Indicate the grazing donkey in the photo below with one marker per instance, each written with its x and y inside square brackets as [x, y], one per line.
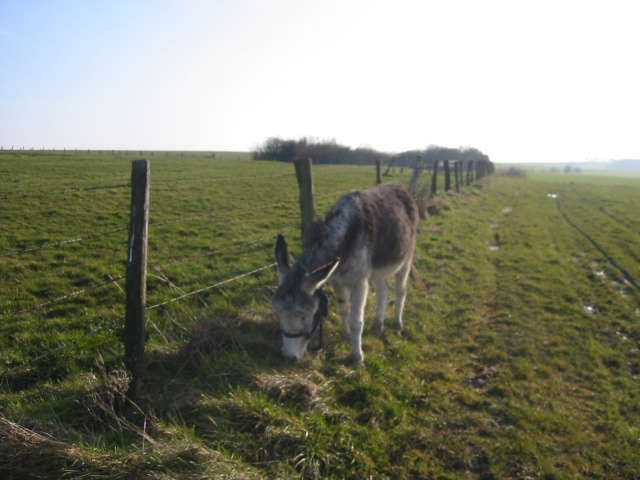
[367, 235]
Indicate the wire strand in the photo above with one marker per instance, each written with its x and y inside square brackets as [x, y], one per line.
[216, 214]
[64, 242]
[63, 192]
[179, 261]
[59, 299]
[58, 348]
[222, 179]
[195, 292]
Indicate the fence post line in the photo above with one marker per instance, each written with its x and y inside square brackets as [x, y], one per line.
[378, 167]
[136, 275]
[307, 206]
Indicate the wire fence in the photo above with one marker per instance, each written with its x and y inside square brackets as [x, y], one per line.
[63, 191]
[229, 252]
[174, 284]
[64, 242]
[68, 296]
[217, 214]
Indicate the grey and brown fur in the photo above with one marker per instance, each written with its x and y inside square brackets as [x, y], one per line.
[368, 235]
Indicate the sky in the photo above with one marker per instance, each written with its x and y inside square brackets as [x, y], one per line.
[523, 81]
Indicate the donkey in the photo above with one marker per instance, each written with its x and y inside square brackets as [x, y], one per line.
[367, 235]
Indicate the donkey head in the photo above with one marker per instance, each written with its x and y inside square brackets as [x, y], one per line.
[298, 301]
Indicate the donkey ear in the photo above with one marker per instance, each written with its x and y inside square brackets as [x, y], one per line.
[314, 280]
[282, 257]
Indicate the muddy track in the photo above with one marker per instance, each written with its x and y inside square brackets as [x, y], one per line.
[621, 223]
[602, 210]
[598, 247]
[612, 217]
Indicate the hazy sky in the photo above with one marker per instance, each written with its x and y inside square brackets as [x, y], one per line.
[520, 80]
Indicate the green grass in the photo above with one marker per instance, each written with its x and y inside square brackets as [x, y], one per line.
[521, 360]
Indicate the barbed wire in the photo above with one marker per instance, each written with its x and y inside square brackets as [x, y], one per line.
[61, 298]
[237, 210]
[221, 179]
[64, 242]
[64, 191]
[219, 284]
[165, 280]
[217, 214]
[253, 242]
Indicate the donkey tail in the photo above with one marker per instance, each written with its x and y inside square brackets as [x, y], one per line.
[417, 279]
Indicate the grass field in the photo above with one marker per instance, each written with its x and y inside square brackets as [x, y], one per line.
[521, 360]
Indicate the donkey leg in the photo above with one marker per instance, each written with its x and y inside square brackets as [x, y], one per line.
[382, 298]
[344, 297]
[356, 321]
[401, 279]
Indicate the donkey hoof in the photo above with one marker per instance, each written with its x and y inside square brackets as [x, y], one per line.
[356, 362]
[377, 329]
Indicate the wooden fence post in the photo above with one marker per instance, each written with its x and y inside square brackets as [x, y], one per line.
[307, 206]
[456, 170]
[391, 162]
[434, 178]
[413, 182]
[378, 166]
[479, 169]
[136, 275]
[469, 171]
[447, 177]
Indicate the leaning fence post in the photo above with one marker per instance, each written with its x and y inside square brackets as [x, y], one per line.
[413, 182]
[305, 185]
[136, 275]
[391, 162]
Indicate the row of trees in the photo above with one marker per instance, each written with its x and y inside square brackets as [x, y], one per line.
[329, 151]
[435, 153]
[321, 151]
